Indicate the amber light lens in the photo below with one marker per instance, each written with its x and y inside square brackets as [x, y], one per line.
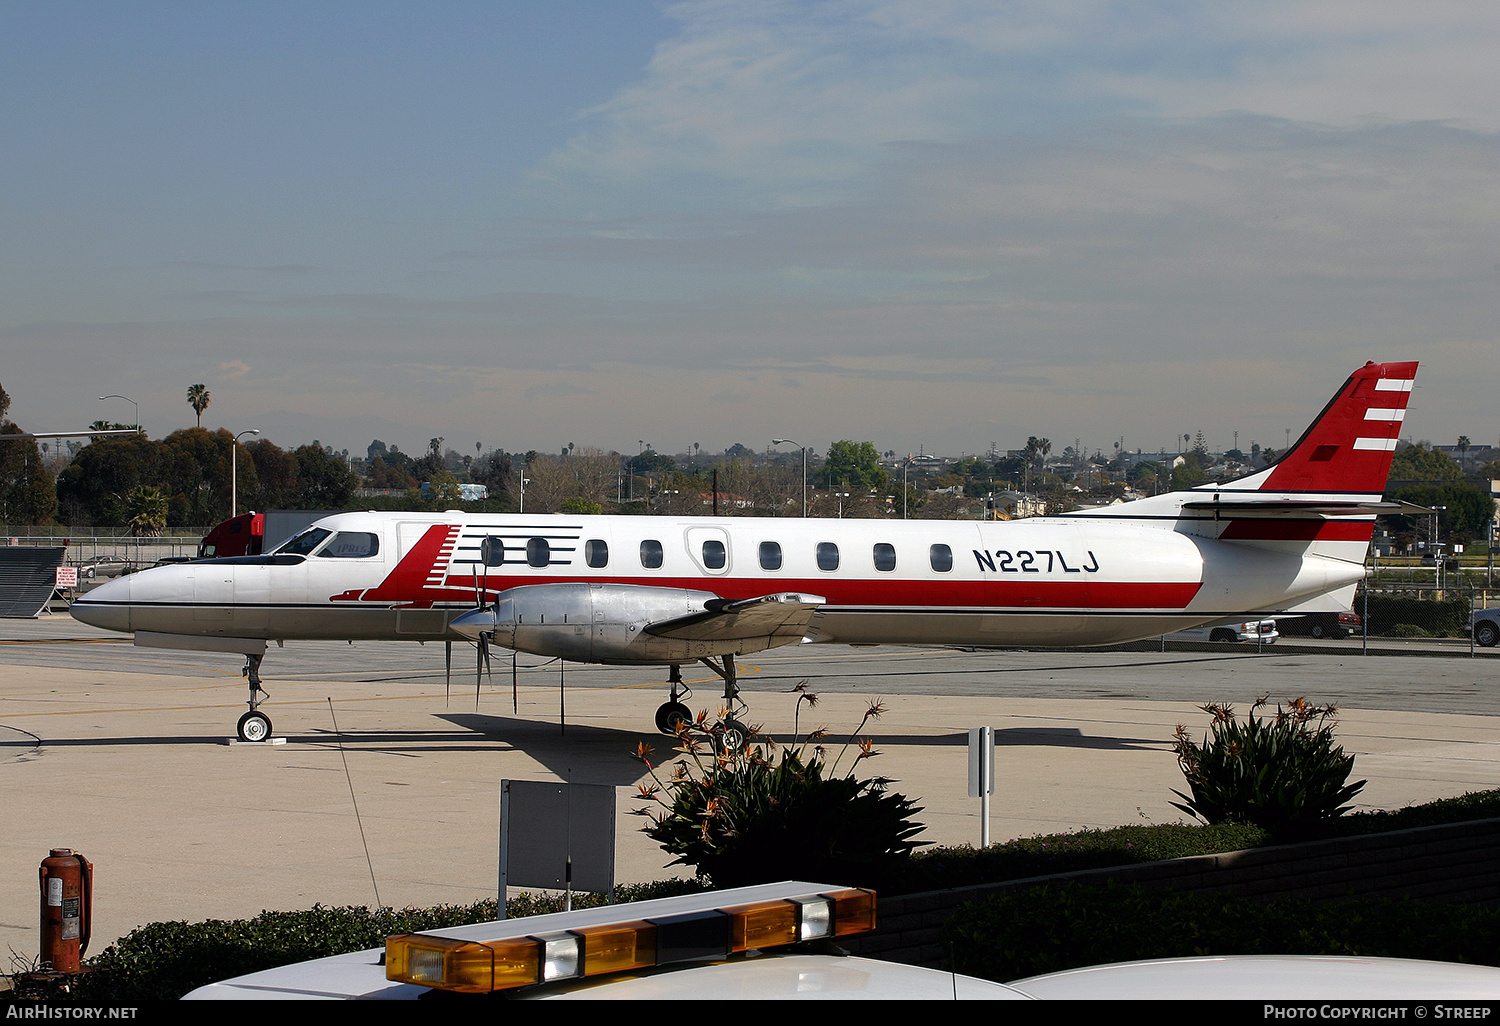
[853, 911]
[618, 947]
[762, 925]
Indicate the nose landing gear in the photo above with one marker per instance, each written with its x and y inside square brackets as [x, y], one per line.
[254, 726]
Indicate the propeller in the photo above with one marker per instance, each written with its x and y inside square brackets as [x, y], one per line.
[482, 643]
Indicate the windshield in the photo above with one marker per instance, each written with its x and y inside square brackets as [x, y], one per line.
[303, 543]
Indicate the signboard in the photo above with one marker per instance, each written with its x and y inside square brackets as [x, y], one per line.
[67, 577]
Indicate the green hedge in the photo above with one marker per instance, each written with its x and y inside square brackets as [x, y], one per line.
[1063, 926]
[1439, 619]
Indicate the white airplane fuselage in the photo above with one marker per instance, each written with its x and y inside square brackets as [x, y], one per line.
[1065, 581]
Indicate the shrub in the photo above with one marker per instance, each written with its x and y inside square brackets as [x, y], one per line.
[1283, 774]
[1062, 926]
[756, 814]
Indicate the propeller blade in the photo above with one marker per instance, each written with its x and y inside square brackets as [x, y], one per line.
[483, 667]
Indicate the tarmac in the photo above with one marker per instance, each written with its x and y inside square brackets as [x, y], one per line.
[384, 785]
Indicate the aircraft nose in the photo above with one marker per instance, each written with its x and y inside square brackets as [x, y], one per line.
[107, 606]
[476, 621]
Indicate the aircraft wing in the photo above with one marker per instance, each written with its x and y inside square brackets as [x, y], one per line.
[783, 617]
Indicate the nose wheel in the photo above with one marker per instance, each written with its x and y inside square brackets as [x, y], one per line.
[255, 725]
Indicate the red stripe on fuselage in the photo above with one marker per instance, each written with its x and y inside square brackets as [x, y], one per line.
[969, 594]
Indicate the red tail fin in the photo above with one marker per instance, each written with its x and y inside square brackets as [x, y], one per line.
[1349, 447]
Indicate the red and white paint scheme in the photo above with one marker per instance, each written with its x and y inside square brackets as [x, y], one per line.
[668, 591]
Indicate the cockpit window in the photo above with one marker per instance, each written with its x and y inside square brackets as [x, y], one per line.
[304, 543]
[352, 545]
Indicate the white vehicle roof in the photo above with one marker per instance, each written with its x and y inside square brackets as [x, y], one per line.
[1270, 978]
[769, 977]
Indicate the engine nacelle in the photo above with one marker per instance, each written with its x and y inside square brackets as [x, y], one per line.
[597, 623]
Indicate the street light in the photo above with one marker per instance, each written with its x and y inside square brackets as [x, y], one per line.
[234, 470]
[132, 402]
[793, 441]
[524, 480]
[904, 467]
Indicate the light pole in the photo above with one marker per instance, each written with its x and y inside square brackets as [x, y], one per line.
[793, 441]
[234, 470]
[132, 402]
[904, 467]
[521, 474]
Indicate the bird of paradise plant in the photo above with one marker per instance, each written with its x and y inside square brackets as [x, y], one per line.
[767, 812]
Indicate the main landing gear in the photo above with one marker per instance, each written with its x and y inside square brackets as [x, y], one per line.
[254, 725]
[730, 734]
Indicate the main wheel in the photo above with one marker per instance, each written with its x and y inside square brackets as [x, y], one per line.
[1486, 633]
[254, 726]
[670, 714]
[731, 736]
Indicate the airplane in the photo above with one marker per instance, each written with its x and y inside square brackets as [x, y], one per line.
[668, 591]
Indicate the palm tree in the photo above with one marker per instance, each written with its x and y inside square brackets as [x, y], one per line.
[198, 398]
[146, 511]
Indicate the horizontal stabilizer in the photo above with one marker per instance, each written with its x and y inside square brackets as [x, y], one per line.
[1240, 508]
[783, 616]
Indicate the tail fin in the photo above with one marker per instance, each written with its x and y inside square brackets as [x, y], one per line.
[1348, 448]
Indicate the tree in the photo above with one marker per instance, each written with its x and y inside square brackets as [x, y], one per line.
[1420, 463]
[92, 489]
[856, 464]
[198, 399]
[325, 481]
[1037, 450]
[27, 491]
[277, 486]
[146, 511]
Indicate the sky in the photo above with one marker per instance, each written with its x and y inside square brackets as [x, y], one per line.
[935, 225]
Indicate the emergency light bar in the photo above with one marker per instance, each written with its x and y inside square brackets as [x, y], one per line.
[691, 929]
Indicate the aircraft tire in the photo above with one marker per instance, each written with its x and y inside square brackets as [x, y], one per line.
[732, 736]
[253, 727]
[669, 714]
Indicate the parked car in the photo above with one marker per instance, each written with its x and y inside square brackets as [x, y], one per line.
[1262, 631]
[1319, 625]
[1485, 623]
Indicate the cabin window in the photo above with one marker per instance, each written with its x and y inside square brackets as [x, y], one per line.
[304, 542]
[770, 555]
[596, 553]
[714, 555]
[885, 557]
[941, 558]
[492, 551]
[352, 545]
[651, 554]
[538, 552]
[828, 556]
